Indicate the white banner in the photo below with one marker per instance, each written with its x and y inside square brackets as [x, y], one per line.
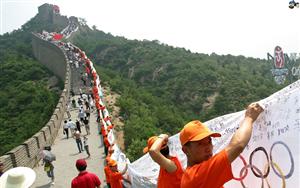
[271, 157]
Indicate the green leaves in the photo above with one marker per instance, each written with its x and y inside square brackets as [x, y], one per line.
[26, 104]
[163, 87]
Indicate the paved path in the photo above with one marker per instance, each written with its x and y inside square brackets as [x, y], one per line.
[67, 153]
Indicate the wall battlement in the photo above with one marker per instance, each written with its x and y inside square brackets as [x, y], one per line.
[27, 154]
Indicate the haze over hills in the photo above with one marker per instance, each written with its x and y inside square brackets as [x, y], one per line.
[161, 87]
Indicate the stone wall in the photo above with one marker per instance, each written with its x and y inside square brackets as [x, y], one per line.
[50, 55]
[27, 154]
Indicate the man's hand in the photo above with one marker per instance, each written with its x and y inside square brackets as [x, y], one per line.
[164, 137]
[242, 136]
[253, 111]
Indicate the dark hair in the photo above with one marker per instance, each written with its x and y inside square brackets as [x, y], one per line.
[47, 148]
[187, 144]
[81, 168]
[165, 151]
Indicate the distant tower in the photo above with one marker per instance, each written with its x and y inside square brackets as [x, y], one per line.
[46, 12]
[51, 13]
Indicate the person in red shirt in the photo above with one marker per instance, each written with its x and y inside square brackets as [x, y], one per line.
[116, 177]
[170, 172]
[84, 179]
[203, 169]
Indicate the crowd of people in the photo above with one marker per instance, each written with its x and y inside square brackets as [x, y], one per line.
[72, 27]
[203, 168]
[55, 37]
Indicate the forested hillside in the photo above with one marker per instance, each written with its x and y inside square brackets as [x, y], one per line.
[163, 87]
[27, 94]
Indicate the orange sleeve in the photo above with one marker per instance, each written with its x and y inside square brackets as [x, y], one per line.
[213, 173]
[106, 142]
[173, 179]
[116, 180]
[107, 171]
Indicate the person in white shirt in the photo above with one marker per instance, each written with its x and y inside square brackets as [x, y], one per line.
[86, 145]
[72, 126]
[66, 128]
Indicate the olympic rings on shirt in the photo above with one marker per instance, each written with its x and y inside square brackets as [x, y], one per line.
[242, 176]
[291, 158]
[250, 161]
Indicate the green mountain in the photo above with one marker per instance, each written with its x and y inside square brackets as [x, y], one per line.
[28, 91]
[163, 87]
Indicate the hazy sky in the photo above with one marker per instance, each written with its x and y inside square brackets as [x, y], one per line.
[238, 27]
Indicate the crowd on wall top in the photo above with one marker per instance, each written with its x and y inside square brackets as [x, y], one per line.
[77, 59]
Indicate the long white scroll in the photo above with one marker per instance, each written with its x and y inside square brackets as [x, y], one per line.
[271, 157]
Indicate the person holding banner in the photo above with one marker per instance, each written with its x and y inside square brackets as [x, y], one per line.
[116, 177]
[107, 171]
[171, 171]
[203, 169]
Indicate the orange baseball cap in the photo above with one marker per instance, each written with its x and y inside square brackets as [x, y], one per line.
[194, 131]
[112, 162]
[150, 142]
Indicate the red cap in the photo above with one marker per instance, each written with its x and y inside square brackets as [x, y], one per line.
[80, 163]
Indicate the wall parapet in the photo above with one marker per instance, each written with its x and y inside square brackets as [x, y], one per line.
[28, 153]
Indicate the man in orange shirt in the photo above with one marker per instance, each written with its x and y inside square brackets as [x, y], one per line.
[203, 169]
[170, 172]
[107, 172]
[116, 177]
[106, 145]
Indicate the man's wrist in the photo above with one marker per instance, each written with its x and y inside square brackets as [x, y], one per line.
[249, 119]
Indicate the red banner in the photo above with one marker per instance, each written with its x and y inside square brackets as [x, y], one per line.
[57, 36]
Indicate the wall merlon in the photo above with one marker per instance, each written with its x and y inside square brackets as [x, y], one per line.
[19, 156]
[47, 135]
[7, 161]
[54, 116]
[57, 113]
[53, 122]
[32, 146]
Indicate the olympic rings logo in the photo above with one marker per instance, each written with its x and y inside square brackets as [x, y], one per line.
[263, 174]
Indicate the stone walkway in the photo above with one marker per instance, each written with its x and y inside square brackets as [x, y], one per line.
[67, 153]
